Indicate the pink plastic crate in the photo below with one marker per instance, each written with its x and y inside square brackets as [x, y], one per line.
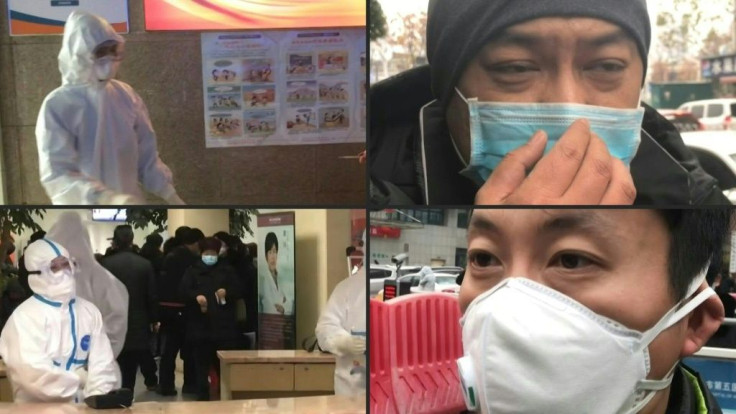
[422, 335]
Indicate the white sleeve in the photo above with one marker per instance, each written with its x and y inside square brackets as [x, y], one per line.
[58, 161]
[103, 373]
[155, 176]
[329, 326]
[30, 367]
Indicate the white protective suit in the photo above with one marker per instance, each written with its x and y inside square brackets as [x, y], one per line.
[52, 336]
[427, 281]
[95, 139]
[93, 282]
[343, 314]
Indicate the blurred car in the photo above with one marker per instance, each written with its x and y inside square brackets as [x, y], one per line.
[682, 120]
[377, 274]
[716, 151]
[714, 114]
[442, 283]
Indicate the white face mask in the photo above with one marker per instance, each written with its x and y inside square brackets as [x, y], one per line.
[531, 349]
[106, 68]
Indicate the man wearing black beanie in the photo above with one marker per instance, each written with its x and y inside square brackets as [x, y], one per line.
[511, 52]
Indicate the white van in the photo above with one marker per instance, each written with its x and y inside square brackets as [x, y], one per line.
[714, 114]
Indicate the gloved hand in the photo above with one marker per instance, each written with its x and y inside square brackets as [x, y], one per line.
[115, 199]
[81, 373]
[175, 200]
[350, 345]
[169, 195]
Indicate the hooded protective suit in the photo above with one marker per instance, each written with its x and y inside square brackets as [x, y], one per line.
[93, 282]
[427, 281]
[342, 318]
[52, 336]
[95, 139]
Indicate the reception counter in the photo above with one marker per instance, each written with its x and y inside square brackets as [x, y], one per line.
[322, 404]
[6, 392]
[275, 374]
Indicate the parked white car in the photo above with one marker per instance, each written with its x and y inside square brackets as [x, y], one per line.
[444, 283]
[716, 151]
[714, 114]
[378, 273]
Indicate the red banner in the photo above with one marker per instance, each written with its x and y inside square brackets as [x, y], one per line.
[385, 232]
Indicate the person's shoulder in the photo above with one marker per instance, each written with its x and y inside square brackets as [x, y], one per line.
[64, 95]
[400, 97]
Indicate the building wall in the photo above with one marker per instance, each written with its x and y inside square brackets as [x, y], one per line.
[165, 69]
[430, 242]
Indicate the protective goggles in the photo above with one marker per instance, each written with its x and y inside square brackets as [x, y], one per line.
[57, 267]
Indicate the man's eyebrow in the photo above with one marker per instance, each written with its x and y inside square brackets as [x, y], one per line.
[483, 224]
[618, 36]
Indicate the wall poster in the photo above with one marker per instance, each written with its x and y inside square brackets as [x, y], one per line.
[284, 87]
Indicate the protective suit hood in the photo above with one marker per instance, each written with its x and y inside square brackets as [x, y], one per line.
[93, 282]
[83, 32]
[38, 256]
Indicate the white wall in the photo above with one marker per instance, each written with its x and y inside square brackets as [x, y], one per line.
[423, 244]
[99, 231]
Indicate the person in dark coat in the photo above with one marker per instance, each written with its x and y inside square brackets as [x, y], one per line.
[176, 241]
[151, 251]
[172, 312]
[137, 275]
[210, 289]
[236, 254]
[420, 145]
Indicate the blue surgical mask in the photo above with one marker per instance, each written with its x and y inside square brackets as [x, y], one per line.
[209, 260]
[497, 128]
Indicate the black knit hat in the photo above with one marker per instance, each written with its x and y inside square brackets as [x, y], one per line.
[210, 243]
[458, 29]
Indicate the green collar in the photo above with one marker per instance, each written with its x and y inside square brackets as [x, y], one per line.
[702, 408]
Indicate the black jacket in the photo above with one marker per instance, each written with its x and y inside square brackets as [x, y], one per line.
[417, 164]
[247, 276]
[175, 264]
[137, 275]
[683, 394]
[220, 321]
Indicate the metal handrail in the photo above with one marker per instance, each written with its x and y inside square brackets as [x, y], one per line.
[729, 321]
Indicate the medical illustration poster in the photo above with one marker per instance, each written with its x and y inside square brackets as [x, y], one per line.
[47, 17]
[276, 310]
[292, 87]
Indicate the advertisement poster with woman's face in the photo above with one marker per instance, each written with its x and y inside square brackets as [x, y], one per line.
[276, 310]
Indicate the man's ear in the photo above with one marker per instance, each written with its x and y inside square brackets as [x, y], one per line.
[702, 323]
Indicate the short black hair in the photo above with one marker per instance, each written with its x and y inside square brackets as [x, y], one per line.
[192, 236]
[349, 250]
[123, 236]
[271, 241]
[180, 231]
[696, 238]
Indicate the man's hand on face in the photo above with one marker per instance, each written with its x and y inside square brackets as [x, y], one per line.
[578, 170]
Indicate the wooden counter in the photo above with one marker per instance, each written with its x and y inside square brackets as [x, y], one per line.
[275, 374]
[6, 391]
[323, 404]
